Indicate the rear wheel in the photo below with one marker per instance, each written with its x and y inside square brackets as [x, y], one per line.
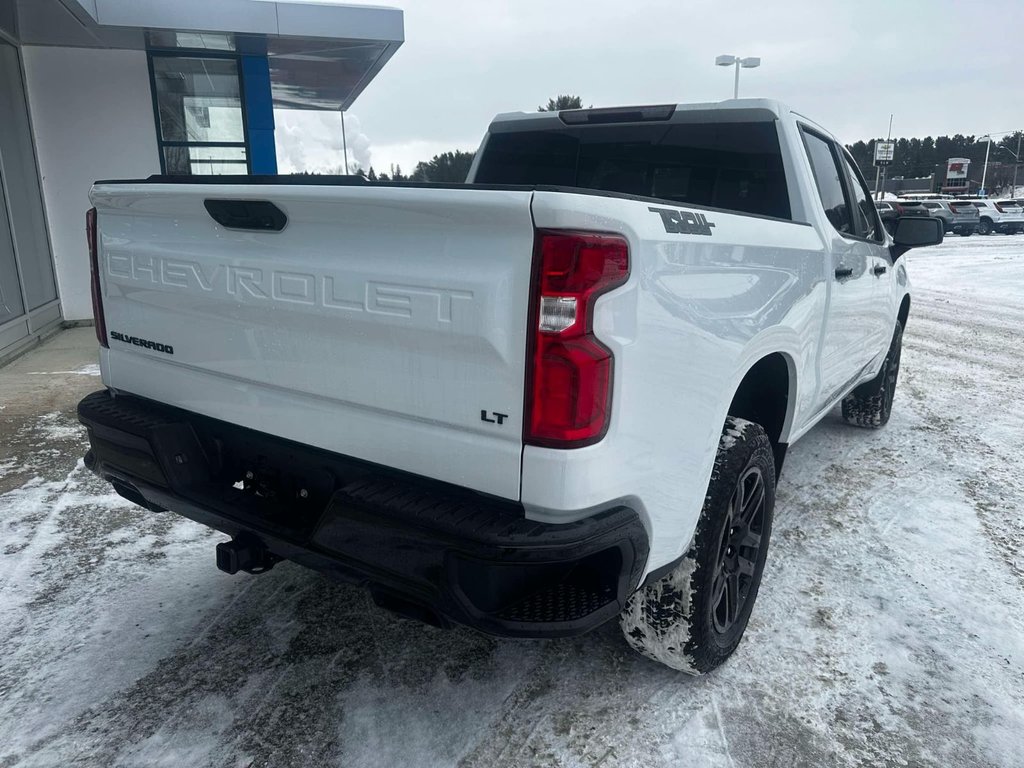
[870, 404]
[985, 227]
[693, 618]
[966, 232]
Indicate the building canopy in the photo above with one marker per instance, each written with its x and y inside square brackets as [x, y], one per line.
[321, 54]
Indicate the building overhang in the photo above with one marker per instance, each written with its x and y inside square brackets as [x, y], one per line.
[321, 54]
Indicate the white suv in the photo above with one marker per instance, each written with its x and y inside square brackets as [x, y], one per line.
[1004, 216]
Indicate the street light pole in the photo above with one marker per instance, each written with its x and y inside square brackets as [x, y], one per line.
[735, 61]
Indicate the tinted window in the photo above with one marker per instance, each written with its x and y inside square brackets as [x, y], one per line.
[826, 177]
[735, 166]
[932, 206]
[864, 210]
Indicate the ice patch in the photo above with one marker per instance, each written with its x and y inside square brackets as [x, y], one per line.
[92, 369]
[49, 427]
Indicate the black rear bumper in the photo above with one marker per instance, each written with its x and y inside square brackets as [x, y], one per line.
[428, 550]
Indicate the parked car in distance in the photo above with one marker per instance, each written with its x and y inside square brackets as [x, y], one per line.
[924, 196]
[890, 210]
[957, 216]
[1006, 216]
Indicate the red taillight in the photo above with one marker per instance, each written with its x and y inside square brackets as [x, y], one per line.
[999, 207]
[94, 273]
[899, 209]
[569, 384]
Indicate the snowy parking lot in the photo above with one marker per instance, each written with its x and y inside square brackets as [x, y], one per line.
[889, 630]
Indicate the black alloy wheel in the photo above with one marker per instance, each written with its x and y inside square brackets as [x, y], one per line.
[738, 550]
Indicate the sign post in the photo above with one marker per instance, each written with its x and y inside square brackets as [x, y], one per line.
[884, 151]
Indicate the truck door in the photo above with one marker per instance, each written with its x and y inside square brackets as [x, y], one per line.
[851, 330]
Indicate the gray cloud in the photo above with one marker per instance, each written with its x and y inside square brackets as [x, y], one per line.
[940, 66]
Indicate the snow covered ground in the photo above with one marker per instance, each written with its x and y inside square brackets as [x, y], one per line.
[889, 630]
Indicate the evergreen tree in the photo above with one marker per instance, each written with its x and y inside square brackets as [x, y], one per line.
[562, 102]
[450, 167]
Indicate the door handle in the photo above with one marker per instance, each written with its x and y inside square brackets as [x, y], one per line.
[844, 272]
[259, 215]
[880, 270]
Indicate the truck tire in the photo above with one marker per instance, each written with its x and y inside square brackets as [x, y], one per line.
[985, 227]
[693, 618]
[870, 404]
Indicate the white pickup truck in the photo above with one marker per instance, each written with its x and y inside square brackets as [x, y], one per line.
[557, 394]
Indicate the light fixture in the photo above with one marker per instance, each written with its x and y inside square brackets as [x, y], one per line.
[727, 60]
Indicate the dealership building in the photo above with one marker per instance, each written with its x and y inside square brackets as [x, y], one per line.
[101, 89]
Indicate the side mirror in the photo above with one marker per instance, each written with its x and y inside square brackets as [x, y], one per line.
[915, 232]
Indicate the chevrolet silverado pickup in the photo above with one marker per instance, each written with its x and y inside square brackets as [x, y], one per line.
[558, 394]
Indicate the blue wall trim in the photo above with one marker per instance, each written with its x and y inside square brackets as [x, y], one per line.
[259, 114]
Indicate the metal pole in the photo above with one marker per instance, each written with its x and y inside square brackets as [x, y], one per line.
[880, 173]
[736, 88]
[1016, 163]
[984, 171]
[344, 141]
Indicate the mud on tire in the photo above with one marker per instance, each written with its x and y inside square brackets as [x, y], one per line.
[681, 619]
[870, 404]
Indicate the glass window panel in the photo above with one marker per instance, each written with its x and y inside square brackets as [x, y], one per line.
[22, 184]
[205, 161]
[863, 209]
[198, 99]
[735, 166]
[826, 178]
[210, 41]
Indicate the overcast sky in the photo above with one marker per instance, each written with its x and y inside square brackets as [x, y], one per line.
[941, 66]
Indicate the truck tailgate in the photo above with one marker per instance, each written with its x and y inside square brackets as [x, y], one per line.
[388, 324]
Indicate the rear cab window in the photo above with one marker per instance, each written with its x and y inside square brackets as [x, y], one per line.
[735, 166]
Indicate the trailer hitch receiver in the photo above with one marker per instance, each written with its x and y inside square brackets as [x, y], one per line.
[245, 553]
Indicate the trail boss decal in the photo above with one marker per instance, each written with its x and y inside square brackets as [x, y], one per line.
[167, 349]
[683, 222]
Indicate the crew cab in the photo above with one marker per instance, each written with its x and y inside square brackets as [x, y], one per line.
[557, 394]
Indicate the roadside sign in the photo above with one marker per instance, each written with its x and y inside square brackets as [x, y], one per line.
[884, 151]
[982, 192]
[956, 167]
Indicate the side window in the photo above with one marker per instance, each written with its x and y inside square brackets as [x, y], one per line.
[827, 178]
[864, 208]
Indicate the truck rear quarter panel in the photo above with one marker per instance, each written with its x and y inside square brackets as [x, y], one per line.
[697, 312]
